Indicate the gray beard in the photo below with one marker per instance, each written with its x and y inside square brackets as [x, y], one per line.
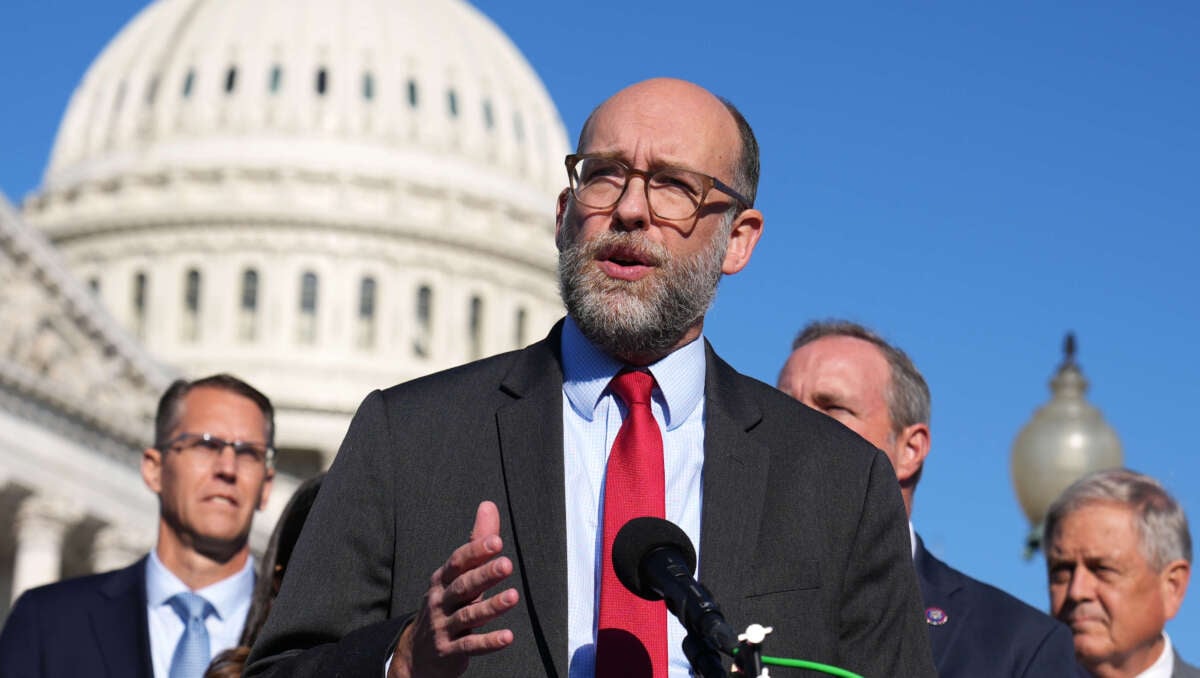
[644, 318]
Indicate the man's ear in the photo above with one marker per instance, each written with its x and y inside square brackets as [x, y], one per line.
[560, 208]
[152, 461]
[268, 483]
[912, 446]
[1175, 578]
[747, 229]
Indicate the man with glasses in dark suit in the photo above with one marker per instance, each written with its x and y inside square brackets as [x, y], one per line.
[169, 613]
[623, 410]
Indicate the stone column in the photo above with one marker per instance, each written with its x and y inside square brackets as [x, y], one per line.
[41, 525]
[115, 548]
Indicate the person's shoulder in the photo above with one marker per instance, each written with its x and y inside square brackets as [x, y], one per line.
[475, 377]
[783, 414]
[802, 442]
[990, 602]
[1184, 669]
[78, 590]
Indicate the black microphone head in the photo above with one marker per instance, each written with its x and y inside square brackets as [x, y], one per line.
[639, 538]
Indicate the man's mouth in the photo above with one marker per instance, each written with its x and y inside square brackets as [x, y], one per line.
[224, 500]
[625, 263]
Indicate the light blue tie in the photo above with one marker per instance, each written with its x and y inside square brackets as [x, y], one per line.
[191, 653]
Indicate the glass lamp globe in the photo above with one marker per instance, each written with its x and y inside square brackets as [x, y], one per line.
[1066, 439]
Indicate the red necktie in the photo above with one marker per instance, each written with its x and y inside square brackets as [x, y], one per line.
[632, 638]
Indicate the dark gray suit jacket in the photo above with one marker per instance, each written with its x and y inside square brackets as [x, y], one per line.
[1184, 669]
[89, 626]
[802, 526]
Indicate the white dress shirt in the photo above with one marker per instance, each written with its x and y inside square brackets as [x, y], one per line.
[230, 598]
[591, 418]
[1164, 666]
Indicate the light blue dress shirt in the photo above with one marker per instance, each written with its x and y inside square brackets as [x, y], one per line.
[591, 419]
[230, 598]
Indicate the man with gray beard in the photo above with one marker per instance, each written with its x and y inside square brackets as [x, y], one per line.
[622, 411]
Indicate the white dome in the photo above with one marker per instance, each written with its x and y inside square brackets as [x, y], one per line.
[359, 87]
[321, 196]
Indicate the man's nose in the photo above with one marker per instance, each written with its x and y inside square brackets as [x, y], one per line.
[1082, 585]
[633, 209]
[226, 461]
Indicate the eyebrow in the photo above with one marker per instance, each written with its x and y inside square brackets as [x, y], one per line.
[653, 167]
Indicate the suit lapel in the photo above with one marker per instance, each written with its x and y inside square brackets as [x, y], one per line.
[531, 449]
[735, 481]
[119, 623]
[940, 588]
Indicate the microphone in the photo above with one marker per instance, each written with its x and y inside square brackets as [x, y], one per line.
[655, 560]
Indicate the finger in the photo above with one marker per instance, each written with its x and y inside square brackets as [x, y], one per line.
[472, 616]
[482, 643]
[468, 557]
[487, 521]
[472, 584]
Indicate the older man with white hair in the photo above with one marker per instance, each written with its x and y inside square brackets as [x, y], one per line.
[1119, 556]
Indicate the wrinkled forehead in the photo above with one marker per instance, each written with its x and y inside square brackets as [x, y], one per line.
[665, 123]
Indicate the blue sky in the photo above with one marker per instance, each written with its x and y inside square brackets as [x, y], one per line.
[970, 179]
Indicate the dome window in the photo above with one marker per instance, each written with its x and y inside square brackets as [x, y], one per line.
[120, 98]
[93, 284]
[421, 340]
[322, 81]
[139, 304]
[188, 81]
[151, 90]
[489, 119]
[230, 79]
[248, 313]
[475, 328]
[191, 306]
[366, 313]
[306, 328]
[452, 103]
[519, 323]
[413, 99]
[276, 78]
[368, 86]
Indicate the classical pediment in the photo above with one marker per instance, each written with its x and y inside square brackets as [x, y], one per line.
[61, 355]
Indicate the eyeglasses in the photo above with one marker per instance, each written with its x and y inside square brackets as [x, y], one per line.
[672, 193]
[209, 447]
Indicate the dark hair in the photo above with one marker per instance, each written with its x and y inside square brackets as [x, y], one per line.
[170, 406]
[271, 570]
[745, 176]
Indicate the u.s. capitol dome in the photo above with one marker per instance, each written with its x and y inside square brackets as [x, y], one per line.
[320, 196]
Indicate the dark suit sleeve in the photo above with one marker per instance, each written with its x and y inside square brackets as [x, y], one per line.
[20, 642]
[1055, 656]
[882, 632]
[334, 614]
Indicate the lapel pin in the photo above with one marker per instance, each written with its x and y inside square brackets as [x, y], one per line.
[935, 616]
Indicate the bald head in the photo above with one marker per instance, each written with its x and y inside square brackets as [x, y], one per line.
[720, 125]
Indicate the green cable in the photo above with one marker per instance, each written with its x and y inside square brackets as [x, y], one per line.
[804, 664]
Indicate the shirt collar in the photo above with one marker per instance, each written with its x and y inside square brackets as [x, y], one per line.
[225, 595]
[1164, 666]
[587, 371]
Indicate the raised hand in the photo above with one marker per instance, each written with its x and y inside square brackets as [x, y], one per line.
[441, 638]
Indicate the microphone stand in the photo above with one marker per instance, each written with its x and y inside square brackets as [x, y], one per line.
[706, 662]
[747, 659]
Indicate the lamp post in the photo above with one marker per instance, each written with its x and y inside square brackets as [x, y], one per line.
[1066, 439]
